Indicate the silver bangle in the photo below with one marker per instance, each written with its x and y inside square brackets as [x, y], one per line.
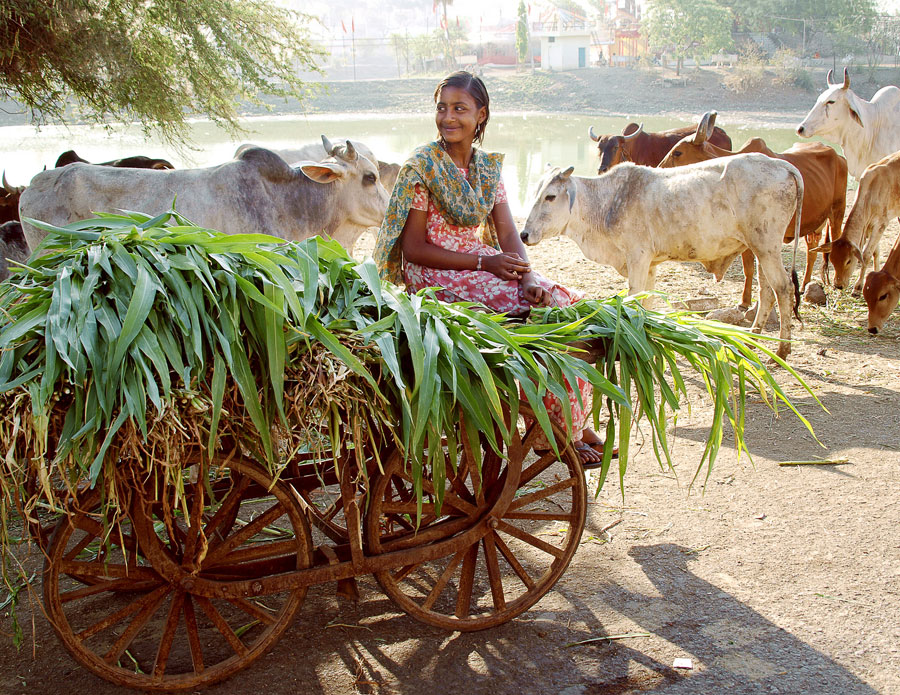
[478, 264]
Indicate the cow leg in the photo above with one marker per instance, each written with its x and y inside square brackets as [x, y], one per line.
[813, 239]
[748, 261]
[775, 278]
[641, 278]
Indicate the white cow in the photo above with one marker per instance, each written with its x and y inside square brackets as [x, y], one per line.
[257, 192]
[316, 151]
[635, 217]
[866, 130]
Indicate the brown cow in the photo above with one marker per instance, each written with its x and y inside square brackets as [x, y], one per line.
[824, 174]
[137, 161]
[634, 145]
[877, 201]
[882, 290]
[12, 246]
[9, 201]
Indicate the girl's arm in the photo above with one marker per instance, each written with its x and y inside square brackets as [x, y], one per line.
[511, 243]
[417, 249]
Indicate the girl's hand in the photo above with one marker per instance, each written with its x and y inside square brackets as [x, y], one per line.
[508, 266]
[534, 293]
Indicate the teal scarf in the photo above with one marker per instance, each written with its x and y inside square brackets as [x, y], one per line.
[463, 202]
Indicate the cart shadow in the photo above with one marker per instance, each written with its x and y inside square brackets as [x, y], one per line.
[370, 647]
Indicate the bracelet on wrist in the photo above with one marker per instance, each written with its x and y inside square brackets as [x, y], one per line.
[478, 264]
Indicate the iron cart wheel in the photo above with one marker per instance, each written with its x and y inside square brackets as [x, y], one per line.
[149, 619]
[526, 542]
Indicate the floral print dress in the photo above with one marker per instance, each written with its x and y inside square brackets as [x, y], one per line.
[483, 286]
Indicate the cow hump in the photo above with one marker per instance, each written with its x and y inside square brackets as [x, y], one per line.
[269, 165]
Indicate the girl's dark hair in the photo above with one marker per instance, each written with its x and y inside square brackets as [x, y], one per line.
[474, 88]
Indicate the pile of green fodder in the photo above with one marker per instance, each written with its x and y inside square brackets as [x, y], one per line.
[136, 344]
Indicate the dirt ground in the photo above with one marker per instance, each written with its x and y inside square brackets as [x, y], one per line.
[771, 579]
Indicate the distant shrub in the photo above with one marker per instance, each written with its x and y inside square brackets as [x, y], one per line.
[749, 72]
[789, 70]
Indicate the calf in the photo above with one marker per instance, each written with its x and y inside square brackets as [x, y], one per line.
[635, 145]
[877, 201]
[12, 246]
[824, 174]
[882, 290]
[634, 218]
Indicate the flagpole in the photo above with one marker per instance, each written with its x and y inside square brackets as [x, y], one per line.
[353, 45]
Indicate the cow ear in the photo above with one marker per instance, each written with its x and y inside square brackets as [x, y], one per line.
[824, 248]
[322, 172]
[570, 192]
[855, 116]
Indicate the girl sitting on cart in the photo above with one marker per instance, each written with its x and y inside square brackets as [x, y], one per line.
[448, 225]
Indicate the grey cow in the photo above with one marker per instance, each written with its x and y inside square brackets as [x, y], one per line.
[256, 192]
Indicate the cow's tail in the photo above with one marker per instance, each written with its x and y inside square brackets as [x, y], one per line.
[798, 182]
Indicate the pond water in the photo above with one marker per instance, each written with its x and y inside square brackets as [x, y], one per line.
[530, 142]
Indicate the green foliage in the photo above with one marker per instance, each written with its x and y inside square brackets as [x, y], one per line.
[522, 33]
[688, 27]
[156, 63]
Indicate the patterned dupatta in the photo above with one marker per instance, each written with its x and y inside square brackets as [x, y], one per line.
[463, 202]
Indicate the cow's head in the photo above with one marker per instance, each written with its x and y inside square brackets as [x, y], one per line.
[694, 148]
[834, 110]
[615, 149]
[363, 199]
[845, 256]
[882, 294]
[552, 206]
[9, 201]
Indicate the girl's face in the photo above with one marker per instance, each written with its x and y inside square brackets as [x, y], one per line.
[457, 115]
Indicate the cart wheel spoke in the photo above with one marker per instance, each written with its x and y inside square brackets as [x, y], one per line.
[151, 604]
[442, 581]
[168, 635]
[522, 513]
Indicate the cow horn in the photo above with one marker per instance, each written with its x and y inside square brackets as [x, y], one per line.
[829, 76]
[702, 129]
[329, 148]
[639, 130]
[595, 138]
[846, 79]
[567, 173]
[6, 187]
[350, 153]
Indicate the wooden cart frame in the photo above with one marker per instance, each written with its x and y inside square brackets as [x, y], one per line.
[164, 598]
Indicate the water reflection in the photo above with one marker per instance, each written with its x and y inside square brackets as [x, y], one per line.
[530, 142]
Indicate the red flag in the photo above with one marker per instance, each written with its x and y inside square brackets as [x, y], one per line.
[352, 25]
[343, 27]
[457, 22]
[434, 6]
[529, 8]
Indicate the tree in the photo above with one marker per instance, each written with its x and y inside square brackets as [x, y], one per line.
[522, 33]
[155, 62]
[688, 28]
